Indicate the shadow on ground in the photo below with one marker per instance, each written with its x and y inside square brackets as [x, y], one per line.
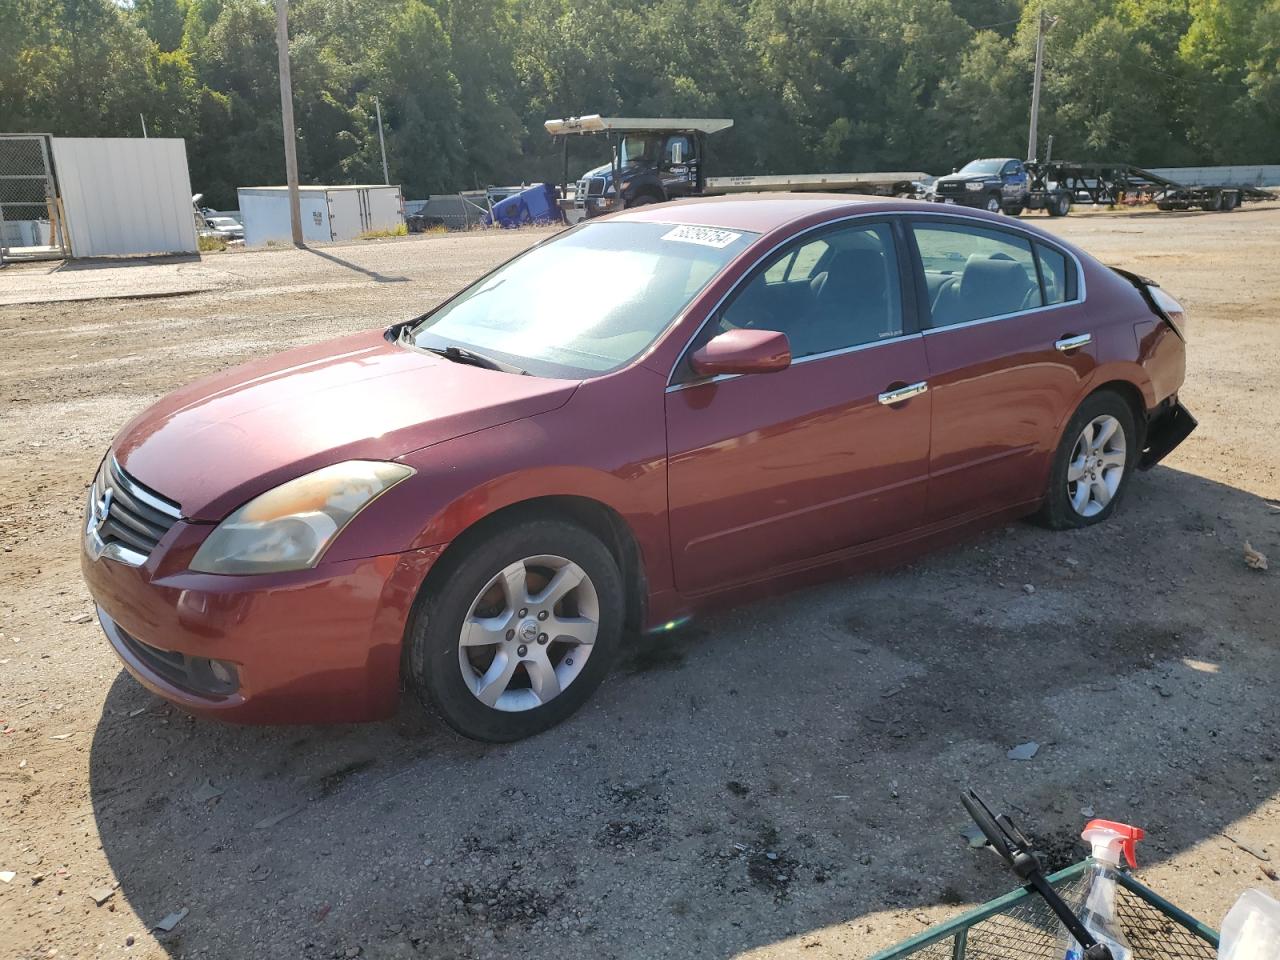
[786, 767]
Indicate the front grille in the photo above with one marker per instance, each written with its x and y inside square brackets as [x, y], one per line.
[125, 519]
[953, 187]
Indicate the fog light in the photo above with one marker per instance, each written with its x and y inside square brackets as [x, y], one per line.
[223, 673]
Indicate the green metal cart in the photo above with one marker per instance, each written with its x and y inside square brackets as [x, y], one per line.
[1021, 926]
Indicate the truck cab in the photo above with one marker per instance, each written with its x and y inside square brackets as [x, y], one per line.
[995, 184]
[652, 160]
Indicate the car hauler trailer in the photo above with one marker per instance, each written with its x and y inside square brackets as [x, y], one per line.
[663, 158]
[1011, 185]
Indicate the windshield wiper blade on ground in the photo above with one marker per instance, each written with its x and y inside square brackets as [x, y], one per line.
[463, 355]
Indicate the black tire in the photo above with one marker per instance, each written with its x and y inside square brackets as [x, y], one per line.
[432, 661]
[993, 204]
[1015, 211]
[1057, 511]
[1059, 205]
[643, 200]
[1213, 204]
[1230, 201]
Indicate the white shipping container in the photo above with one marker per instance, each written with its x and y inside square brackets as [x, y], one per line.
[329, 213]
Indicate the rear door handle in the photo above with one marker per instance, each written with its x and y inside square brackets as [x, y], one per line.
[890, 397]
[1067, 344]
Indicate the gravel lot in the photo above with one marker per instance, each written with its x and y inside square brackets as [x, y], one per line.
[778, 780]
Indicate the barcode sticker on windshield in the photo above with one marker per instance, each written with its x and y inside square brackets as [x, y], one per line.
[703, 236]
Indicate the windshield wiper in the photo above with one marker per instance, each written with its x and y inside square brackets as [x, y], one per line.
[463, 355]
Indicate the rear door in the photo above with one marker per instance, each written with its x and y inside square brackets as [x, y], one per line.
[1009, 346]
[771, 470]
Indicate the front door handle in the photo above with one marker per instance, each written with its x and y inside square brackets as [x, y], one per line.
[890, 397]
[1066, 344]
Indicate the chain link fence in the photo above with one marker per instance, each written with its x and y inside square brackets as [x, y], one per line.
[31, 216]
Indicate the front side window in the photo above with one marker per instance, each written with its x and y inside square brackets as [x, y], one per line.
[835, 291]
[587, 302]
[680, 146]
[972, 273]
[638, 148]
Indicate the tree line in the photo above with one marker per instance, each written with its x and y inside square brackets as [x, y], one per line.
[812, 85]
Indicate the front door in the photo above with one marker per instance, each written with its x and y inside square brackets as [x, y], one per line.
[1009, 350]
[771, 470]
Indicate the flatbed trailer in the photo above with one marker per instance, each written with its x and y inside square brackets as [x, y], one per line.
[876, 184]
[1114, 184]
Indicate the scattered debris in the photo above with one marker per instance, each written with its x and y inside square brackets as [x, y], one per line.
[1024, 751]
[1087, 812]
[101, 895]
[1072, 562]
[269, 822]
[207, 791]
[22, 764]
[83, 618]
[1248, 848]
[974, 836]
[6, 876]
[1269, 873]
[62, 736]
[259, 873]
[1028, 589]
[1254, 559]
[172, 920]
[128, 941]
[138, 712]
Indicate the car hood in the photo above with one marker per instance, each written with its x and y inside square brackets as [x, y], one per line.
[223, 440]
[967, 178]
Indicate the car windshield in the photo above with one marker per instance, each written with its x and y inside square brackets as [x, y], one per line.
[588, 302]
[982, 166]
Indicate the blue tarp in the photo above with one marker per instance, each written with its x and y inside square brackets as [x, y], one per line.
[534, 204]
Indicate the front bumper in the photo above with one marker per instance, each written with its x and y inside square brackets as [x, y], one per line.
[969, 198]
[313, 646]
[1165, 431]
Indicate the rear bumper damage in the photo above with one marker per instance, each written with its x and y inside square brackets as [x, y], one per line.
[1167, 429]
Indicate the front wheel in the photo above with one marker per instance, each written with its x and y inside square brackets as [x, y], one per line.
[1097, 454]
[519, 632]
[993, 203]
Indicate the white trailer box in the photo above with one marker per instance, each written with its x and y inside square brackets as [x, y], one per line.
[328, 213]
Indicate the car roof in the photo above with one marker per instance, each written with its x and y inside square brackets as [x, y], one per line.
[758, 212]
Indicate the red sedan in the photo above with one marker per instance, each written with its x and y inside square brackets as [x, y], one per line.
[647, 414]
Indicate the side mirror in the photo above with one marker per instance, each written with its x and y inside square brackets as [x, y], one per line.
[742, 351]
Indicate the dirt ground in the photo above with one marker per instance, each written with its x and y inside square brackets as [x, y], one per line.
[775, 781]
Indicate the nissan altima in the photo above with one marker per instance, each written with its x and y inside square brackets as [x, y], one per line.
[676, 406]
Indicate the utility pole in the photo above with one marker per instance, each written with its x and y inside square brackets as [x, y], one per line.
[144, 125]
[1044, 25]
[286, 118]
[386, 177]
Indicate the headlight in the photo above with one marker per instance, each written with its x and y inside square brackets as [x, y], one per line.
[973, 185]
[290, 527]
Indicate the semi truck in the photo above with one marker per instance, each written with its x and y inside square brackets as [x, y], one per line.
[654, 159]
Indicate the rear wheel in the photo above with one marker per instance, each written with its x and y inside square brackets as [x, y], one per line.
[1058, 205]
[519, 632]
[1091, 468]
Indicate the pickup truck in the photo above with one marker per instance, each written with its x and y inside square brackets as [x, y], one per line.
[1000, 184]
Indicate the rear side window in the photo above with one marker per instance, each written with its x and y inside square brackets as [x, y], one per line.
[1053, 272]
[974, 274]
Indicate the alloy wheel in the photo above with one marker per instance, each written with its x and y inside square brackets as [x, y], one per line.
[1096, 467]
[993, 204]
[528, 633]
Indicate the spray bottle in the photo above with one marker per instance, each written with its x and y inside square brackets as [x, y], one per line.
[1109, 840]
